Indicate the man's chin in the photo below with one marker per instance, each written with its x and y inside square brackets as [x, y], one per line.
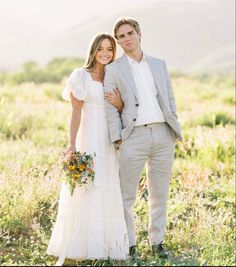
[129, 49]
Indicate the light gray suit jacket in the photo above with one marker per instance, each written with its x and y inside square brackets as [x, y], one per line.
[118, 75]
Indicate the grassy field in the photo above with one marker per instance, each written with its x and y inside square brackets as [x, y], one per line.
[34, 124]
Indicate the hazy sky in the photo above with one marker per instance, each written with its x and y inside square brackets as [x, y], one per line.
[29, 29]
[60, 14]
[56, 14]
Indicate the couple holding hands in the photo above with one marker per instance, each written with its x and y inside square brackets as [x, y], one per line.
[124, 111]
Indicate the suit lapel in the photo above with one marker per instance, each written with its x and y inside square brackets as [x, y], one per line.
[125, 69]
[155, 73]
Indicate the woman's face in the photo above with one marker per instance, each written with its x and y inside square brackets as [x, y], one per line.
[105, 52]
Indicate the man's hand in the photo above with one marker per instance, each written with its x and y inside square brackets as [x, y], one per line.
[118, 143]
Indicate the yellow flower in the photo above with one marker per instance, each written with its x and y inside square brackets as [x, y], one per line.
[76, 176]
[71, 167]
[82, 167]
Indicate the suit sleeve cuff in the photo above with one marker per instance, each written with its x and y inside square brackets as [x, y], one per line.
[116, 138]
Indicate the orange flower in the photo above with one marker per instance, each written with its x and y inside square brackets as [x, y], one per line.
[82, 167]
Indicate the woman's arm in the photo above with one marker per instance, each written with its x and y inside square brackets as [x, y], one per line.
[75, 122]
[114, 98]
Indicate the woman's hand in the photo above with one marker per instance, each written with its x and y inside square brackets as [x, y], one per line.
[70, 150]
[114, 98]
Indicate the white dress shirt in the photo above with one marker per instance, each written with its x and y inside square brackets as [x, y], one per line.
[149, 110]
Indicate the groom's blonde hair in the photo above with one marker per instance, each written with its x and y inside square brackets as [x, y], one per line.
[126, 20]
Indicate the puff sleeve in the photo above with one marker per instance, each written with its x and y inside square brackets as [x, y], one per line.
[75, 84]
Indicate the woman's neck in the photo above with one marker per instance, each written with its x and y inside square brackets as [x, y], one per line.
[98, 73]
[99, 69]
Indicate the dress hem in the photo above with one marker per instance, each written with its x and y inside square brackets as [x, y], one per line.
[81, 258]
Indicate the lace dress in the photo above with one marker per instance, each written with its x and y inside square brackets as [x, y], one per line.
[90, 224]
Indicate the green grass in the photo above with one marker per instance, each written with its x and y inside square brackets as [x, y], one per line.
[34, 131]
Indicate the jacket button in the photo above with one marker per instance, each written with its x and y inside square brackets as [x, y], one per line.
[134, 119]
[137, 105]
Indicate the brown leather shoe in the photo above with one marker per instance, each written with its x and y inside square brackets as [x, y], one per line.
[160, 251]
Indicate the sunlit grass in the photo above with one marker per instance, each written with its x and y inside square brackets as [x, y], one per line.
[34, 132]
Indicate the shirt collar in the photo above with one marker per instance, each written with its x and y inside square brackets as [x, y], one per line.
[131, 60]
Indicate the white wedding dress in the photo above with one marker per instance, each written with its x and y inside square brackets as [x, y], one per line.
[90, 224]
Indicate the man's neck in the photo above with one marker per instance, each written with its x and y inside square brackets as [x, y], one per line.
[136, 55]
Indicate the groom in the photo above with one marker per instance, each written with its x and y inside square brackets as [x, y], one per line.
[145, 131]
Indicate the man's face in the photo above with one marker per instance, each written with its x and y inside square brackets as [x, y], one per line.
[128, 38]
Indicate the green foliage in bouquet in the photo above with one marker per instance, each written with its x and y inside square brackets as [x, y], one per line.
[78, 168]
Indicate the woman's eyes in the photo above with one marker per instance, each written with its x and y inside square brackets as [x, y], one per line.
[100, 49]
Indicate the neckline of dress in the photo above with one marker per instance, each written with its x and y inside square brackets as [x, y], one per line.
[92, 78]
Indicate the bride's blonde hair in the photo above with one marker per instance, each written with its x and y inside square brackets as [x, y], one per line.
[94, 46]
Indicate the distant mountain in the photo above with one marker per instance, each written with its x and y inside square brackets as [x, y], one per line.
[192, 36]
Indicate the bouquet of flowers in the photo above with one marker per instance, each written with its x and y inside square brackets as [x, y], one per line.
[78, 168]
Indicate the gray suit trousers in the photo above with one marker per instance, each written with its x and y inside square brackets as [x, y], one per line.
[152, 145]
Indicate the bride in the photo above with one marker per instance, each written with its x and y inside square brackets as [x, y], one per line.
[90, 224]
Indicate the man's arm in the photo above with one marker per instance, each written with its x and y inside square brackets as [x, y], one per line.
[112, 114]
[170, 92]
